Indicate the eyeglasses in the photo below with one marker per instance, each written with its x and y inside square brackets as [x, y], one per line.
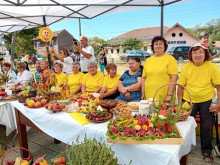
[18, 67]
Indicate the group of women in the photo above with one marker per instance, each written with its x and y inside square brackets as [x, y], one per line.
[199, 76]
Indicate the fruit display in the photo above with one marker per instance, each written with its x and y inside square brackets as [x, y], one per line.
[55, 106]
[40, 161]
[141, 128]
[88, 103]
[122, 109]
[36, 102]
[74, 98]
[99, 116]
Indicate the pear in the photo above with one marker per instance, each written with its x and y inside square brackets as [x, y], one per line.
[186, 106]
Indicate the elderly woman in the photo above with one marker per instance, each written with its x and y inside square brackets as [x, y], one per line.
[159, 69]
[201, 77]
[75, 79]
[8, 72]
[23, 74]
[110, 89]
[64, 58]
[60, 76]
[93, 80]
[129, 84]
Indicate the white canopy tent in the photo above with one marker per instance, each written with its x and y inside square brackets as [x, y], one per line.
[16, 15]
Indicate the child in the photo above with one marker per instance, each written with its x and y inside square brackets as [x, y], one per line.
[101, 63]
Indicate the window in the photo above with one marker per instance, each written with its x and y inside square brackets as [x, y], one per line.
[173, 34]
[38, 44]
[112, 50]
[180, 34]
[168, 42]
[118, 50]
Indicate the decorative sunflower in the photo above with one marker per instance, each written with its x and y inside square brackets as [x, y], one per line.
[45, 34]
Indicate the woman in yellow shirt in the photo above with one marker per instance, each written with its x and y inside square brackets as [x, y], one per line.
[109, 89]
[60, 76]
[159, 69]
[93, 80]
[201, 77]
[75, 79]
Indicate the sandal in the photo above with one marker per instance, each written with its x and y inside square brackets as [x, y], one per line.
[207, 157]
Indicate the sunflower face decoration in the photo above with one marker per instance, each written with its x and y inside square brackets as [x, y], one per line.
[45, 34]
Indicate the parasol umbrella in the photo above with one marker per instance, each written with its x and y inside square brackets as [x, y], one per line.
[17, 15]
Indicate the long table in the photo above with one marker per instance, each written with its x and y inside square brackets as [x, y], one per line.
[66, 129]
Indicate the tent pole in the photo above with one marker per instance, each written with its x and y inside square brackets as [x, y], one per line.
[161, 24]
[80, 28]
[47, 46]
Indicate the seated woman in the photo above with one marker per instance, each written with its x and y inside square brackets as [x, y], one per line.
[129, 84]
[8, 72]
[110, 89]
[60, 76]
[93, 80]
[23, 74]
[75, 79]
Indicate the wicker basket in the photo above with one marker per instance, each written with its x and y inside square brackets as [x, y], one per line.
[183, 116]
[29, 158]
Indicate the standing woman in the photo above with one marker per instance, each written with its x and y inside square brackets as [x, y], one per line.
[103, 54]
[75, 79]
[64, 58]
[159, 69]
[129, 85]
[201, 77]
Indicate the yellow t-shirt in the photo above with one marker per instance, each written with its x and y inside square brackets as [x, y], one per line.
[74, 80]
[157, 71]
[61, 78]
[111, 83]
[93, 82]
[200, 81]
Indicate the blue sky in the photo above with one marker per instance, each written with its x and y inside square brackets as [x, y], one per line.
[188, 14]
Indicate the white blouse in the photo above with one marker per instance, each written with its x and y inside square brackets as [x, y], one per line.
[24, 76]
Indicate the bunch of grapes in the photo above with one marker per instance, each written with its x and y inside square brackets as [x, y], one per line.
[25, 93]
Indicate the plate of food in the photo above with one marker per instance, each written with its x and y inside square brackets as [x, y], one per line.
[9, 98]
[133, 106]
[99, 116]
[55, 106]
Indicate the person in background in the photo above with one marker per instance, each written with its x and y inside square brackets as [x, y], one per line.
[129, 85]
[103, 54]
[44, 65]
[34, 59]
[38, 72]
[72, 55]
[26, 56]
[93, 80]
[87, 53]
[64, 58]
[23, 74]
[1, 63]
[75, 79]
[77, 56]
[8, 72]
[159, 69]
[30, 60]
[24, 59]
[201, 77]
[204, 40]
[109, 89]
[101, 63]
[60, 76]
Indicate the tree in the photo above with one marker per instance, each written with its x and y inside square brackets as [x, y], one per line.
[132, 44]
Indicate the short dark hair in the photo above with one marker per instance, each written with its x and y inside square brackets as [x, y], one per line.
[159, 38]
[7, 64]
[207, 56]
[203, 34]
[137, 60]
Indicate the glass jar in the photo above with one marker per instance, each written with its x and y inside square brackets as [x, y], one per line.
[144, 107]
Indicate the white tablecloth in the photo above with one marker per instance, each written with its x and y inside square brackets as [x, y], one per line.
[7, 117]
[66, 129]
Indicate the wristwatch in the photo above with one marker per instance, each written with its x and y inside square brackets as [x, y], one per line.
[126, 89]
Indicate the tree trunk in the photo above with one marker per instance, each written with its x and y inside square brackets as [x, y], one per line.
[13, 39]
